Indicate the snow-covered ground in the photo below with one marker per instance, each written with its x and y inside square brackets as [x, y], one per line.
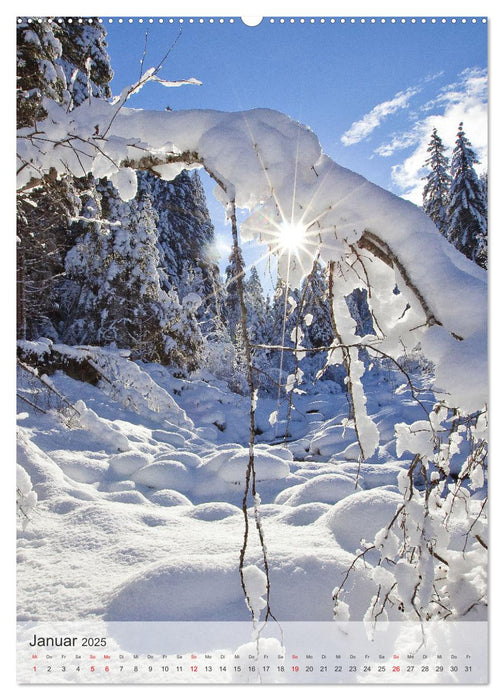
[138, 516]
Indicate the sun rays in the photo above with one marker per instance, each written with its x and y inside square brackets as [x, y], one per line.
[291, 236]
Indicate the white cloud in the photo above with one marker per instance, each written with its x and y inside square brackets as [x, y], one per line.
[398, 142]
[372, 120]
[463, 101]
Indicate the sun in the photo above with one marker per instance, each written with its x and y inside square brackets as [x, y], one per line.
[291, 236]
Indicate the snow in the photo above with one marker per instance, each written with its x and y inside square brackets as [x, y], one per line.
[266, 466]
[214, 511]
[169, 437]
[125, 182]
[255, 583]
[169, 498]
[82, 466]
[101, 429]
[325, 488]
[127, 463]
[153, 532]
[345, 519]
[26, 496]
[206, 588]
[165, 474]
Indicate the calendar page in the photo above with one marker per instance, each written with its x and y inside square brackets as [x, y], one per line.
[252, 350]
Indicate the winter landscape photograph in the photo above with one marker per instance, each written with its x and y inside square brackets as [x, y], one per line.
[252, 350]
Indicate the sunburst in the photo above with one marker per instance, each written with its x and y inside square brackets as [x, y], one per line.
[291, 236]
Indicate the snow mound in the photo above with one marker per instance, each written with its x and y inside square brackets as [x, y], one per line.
[320, 406]
[213, 511]
[81, 466]
[302, 585]
[207, 432]
[347, 522]
[326, 488]
[202, 588]
[135, 389]
[170, 497]
[101, 428]
[189, 459]
[215, 461]
[127, 463]
[304, 515]
[266, 464]
[371, 476]
[331, 440]
[262, 648]
[167, 474]
[351, 453]
[277, 450]
[229, 465]
[171, 438]
[127, 497]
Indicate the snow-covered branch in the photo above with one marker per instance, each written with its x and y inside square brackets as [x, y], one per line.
[251, 156]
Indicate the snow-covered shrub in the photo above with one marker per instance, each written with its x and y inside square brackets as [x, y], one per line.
[430, 560]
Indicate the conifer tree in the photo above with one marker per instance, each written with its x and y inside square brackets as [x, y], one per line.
[84, 58]
[60, 60]
[233, 311]
[437, 187]
[42, 229]
[38, 73]
[256, 307]
[43, 217]
[358, 306]
[484, 189]
[319, 331]
[482, 254]
[467, 226]
[116, 268]
[185, 240]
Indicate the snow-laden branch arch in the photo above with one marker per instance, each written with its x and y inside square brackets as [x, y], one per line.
[274, 167]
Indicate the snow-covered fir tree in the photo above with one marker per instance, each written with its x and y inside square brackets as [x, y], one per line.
[116, 267]
[466, 215]
[133, 310]
[316, 306]
[482, 254]
[185, 240]
[185, 229]
[84, 58]
[257, 312]
[437, 187]
[38, 73]
[484, 189]
[85, 263]
[260, 327]
[62, 61]
[234, 272]
[42, 228]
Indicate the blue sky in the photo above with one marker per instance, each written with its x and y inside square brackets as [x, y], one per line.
[372, 92]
